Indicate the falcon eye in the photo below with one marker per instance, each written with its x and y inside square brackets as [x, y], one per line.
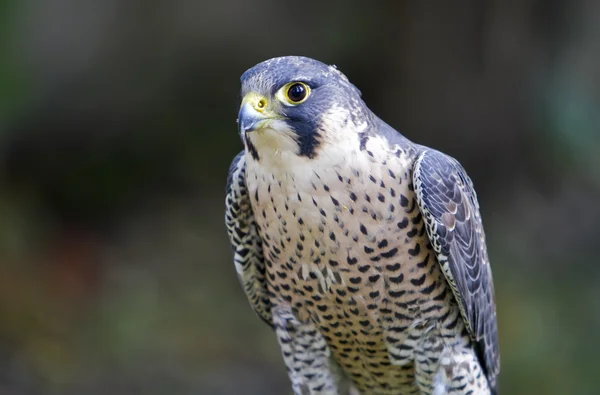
[296, 92]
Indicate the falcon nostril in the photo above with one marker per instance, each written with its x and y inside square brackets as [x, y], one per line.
[260, 105]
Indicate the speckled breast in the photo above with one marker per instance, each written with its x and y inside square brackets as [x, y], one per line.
[346, 247]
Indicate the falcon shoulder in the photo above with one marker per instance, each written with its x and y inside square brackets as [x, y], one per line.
[246, 242]
[448, 203]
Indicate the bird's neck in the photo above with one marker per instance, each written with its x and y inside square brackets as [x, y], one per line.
[284, 165]
[354, 158]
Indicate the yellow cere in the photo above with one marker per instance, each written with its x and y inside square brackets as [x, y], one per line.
[258, 102]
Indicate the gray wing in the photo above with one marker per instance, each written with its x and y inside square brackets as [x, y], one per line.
[449, 206]
[245, 240]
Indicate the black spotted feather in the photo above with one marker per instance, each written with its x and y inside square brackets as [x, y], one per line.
[245, 240]
[449, 205]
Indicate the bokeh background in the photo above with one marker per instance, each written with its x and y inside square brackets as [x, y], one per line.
[117, 126]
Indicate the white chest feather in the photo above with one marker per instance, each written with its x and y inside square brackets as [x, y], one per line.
[321, 209]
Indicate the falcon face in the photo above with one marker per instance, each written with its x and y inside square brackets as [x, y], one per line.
[364, 251]
[297, 105]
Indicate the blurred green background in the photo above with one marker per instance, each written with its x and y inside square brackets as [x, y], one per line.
[117, 126]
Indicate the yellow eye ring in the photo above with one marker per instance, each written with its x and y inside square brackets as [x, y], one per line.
[294, 93]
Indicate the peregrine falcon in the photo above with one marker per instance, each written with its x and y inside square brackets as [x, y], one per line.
[364, 251]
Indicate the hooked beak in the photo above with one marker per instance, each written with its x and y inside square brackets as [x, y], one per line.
[249, 119]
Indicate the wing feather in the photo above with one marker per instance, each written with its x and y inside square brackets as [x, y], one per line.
[246, 242]
[449, 206]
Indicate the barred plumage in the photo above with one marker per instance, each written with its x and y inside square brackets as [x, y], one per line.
[245, 240]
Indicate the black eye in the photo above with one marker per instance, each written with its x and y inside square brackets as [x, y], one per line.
[297, 92]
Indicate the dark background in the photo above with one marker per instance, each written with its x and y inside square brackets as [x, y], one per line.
[117, 126]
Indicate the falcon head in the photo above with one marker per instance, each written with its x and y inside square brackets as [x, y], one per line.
[297, 105]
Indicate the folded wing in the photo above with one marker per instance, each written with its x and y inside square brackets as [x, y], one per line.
[245, 240]
[449, 205]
